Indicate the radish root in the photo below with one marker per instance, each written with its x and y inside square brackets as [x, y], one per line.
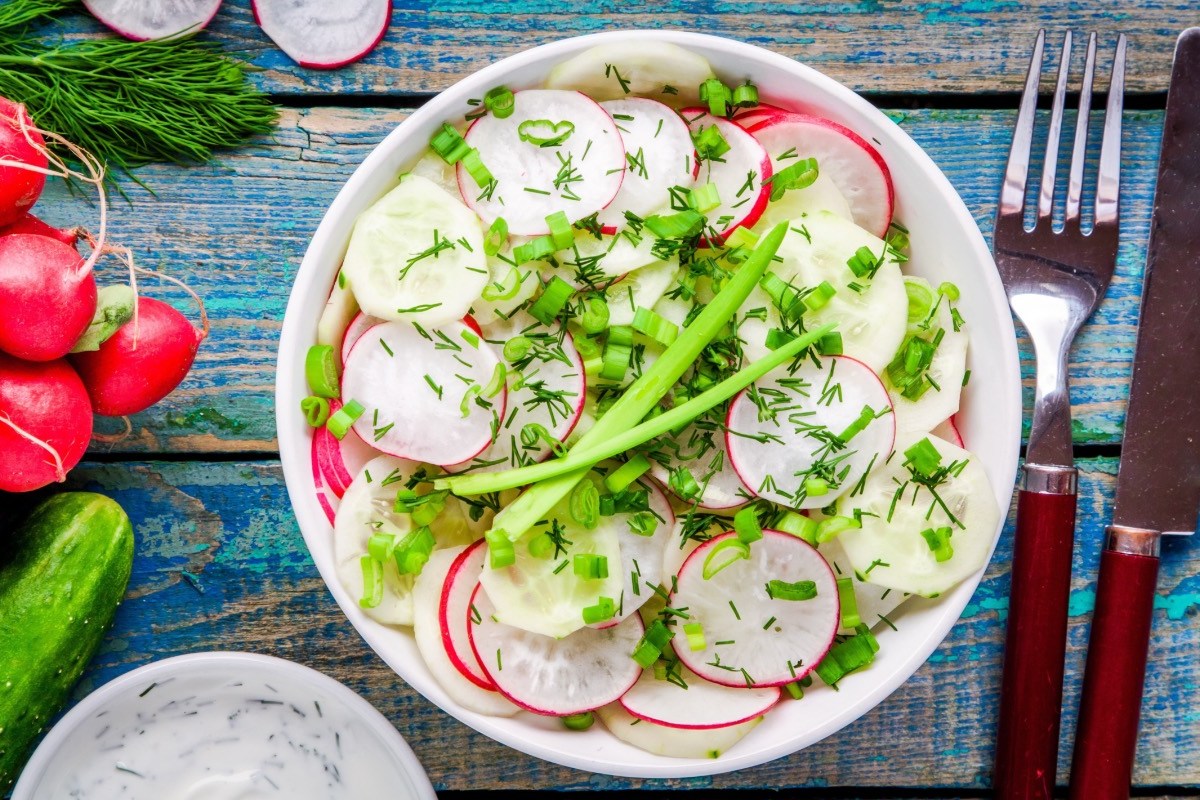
[114, 438]
[204, 327]
[93, 173]
[60, 474]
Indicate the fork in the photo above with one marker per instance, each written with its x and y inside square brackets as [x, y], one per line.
[1054, 280]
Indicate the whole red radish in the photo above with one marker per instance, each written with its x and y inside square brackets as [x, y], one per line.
[45, 422]
[19, 188]
[47, 297]
[142, 362]
[31, 224]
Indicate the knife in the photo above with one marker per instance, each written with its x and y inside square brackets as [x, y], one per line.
[1158, 485]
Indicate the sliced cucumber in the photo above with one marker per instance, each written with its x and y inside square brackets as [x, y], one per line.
[435, 168]
[641, 288]
[941, 401]
[821, 195]
[596, 261]
[340, 309]
[398, 271]
[642, 556]
[890, 550]
[874, 603]
[662, 740]
[642, 68]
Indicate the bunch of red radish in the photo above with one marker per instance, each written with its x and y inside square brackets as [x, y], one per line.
[63, 357]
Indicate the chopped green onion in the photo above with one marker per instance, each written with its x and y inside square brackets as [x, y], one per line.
[820, 296]
[578, 722]
[594, 318]
[381, 546]
[683, 483]
[493, 243]
[506, 289]
[830, 344]
[449, 144]
[722, 554]
[500, 102]
[498, 380]
[590, 567]
[710, 144]
[742, 238]
[695, 636]
[535, 249]
[545, 133]
[800, 590]
[585, 504]
[476, 169]
[645, 654]
[372, 572]
[799, 175]
[938, 540]
[745, 522]
[680, 225]
[864, 263]
[618, 352]
[777, 338]
[541, 546]
[620, 478]
[341, 420]
[516, 347]
[816, 487]
[746, 95]
[949, 290]
[321, 371]
[848, 602]
[920, 300]
[603, 611]
[923, 458]
[717, 95]
[413, 551]
[552, 301]
[784, 296]
[830, 527]
[643, 523]
[315, 410]
[794, 690]
[703, 199]
[799, 526]
[561, 231]
[655, 326]
[473, 391]
[659, 635]
[592, 355]
[500, 549]
[846, 656]
[865, 418]
[651, 645]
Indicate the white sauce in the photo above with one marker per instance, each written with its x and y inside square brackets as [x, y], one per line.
[201, 737]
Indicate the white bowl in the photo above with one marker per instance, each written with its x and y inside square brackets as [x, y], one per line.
[139, 694]
[946, 245]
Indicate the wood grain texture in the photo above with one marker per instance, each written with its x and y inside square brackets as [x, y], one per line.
[237, 231]
[221, 565]
[883, 46]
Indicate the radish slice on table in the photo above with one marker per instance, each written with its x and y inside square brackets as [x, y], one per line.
[557, 151]
[323, 35]
[416, 254]
[616, 70]
[698, 704]
[897, 507]
[873, 602]
[672, 742]
[700, 449]
[426, 392]
[856, 167]
[427, 591]
[142, 20]
[738, 174]
[455, 614]
[803, 438]
[948, 430]
[753, 636]
[942, 392]
[583, 671]
[659, 156]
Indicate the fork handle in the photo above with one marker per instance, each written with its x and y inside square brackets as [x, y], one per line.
[1031, 692]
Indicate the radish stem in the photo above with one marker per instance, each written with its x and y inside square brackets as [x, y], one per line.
[60, 474]
[640, 397]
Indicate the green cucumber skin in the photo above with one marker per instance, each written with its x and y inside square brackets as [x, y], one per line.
[62, 574]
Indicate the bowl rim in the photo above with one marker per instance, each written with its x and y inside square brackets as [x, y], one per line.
[296, 465]
[39, 763]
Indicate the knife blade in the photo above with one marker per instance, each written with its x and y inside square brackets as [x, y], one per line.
[1158, 483]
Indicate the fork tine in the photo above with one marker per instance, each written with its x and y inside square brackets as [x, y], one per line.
[1046, 197]
[1079, 153]
[1012, 194]
[1108, 182]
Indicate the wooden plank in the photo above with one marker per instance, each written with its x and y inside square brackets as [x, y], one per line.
[960, 46]
[236, 232]
[254, 588]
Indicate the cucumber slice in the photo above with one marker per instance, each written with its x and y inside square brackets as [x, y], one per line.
[434, 167]
[642, 68]
[642, 288]
[593, 262]
[672, 742]
[642, 556]
[398, 271]
[340, 309]
[700, 448]
[822, 195]
[889, 549]
[659, 157]
[510, 288]
[949, 366]
[874, 602]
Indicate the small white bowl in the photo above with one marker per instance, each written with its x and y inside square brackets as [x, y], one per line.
[946, 246]
[145, 691]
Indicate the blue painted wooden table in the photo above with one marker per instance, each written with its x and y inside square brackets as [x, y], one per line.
[221, 564]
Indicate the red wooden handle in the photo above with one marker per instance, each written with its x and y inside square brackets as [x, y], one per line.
[1031, 694]
[1102, 767]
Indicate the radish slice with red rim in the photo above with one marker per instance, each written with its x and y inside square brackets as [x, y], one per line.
[142, 20]
[323, 35]
[456, 614]
[354, 331]
[787, 433]
[425, 392]
[948, 430]
[706, 743]
[697, 703]
[738, 174]
[752, 635]
[642, 556]
[857, 168]
[700, 449]
[578, 673]
[339, 461]
[659, 156]
[557, 151]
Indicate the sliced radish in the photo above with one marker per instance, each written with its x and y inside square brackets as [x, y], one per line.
[659, 156]
[701, 705]
[751, 638]
[948, 430]
[583, 671]
[785, 431]
[642, 68]
[455, 613]
[339, 461]
[427, 630]
[700, 449]
[857, 168]
[424, 391]
[360, 324]
[325, 498]
[642, 556]
[738, 174]
[661, 740]
[321, 35]
[579, 176]
[141, 20]
[760, 113]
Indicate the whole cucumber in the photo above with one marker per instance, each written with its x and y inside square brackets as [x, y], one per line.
[62, 574]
